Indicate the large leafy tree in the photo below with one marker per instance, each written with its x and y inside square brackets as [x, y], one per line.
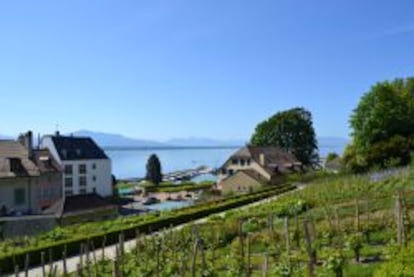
[291, 130]
[154, 174]
[383, 126]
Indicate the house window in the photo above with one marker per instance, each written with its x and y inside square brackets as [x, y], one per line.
[242, 162]
[82, 181]
[68, 192]
[231, 171]
[248, 162]
[82, 169]
[234, 161]
[224, 171]
[94, 190]
[93, 166]
[94, 178]
[82, 191]
[19, 196]
[68, 169]
[68, 182]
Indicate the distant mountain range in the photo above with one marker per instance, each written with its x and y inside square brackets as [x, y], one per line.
[108, 140]
[115, 140]
[5, 137]
[194, 142]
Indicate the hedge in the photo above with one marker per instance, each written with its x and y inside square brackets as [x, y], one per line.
[72, 247]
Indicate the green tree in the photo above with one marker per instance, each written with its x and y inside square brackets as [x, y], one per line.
[382, 127]
[331, 156]
[385, 111]
[154, 174]
[291, 130]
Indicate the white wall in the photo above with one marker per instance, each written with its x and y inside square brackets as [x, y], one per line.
[102, 173]
[46, 142]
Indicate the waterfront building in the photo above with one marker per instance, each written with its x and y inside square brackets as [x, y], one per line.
[86, 167]
[252, 167]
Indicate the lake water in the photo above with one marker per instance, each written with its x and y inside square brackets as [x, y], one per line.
[131, 163]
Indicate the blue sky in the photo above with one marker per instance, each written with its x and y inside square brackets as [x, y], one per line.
[164, 69]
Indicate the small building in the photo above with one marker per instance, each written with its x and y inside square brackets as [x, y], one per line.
[252, 167]
[19, 177]
[86, 167]
[243, 181]
[30, 179]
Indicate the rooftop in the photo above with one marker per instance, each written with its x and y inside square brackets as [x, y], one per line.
[77, 148]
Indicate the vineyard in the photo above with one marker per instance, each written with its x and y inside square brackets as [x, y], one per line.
[344, 226]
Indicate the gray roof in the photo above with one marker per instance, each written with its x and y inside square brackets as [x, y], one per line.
[274, 158]
[12, 149]
[45, 161]
[77, 148]
[14, 160]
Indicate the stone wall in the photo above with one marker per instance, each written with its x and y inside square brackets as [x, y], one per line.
[25, 225]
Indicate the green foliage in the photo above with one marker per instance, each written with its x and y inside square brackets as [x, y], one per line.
[291, 130]
[331, 156]
[154, 174]
[383, 127]
[72, 236]
[354, 242]
[335, 263]
[401, 263]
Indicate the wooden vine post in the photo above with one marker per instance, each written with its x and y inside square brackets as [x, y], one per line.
[194, 261]
[248, 256]
[287, 235]
[357, 218]
[309, 249]
[42, 260]
[26, 265]
[64, 256]
[241, 242]
[399, 214]
[296, 233]
[265, 267]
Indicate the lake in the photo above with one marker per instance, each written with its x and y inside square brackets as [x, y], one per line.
[131, 163]
[127, 163]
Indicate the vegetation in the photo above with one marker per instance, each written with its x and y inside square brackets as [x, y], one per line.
[185, 186]
[383, 127]
[343, 226]
[291, 130]
[154, 174]
[331, 156]
[70, 238]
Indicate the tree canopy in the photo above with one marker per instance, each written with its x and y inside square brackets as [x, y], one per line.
[291, 130]
[382, 126]
[154, 174]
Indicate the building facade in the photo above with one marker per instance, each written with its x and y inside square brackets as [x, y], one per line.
[86, 168]
[30, 180]
[264, 165]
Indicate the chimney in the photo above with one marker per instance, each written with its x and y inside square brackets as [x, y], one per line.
[27, 141]
[57, 133]
[262, 159]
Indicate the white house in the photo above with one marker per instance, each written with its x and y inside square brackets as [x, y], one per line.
[86, 168]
